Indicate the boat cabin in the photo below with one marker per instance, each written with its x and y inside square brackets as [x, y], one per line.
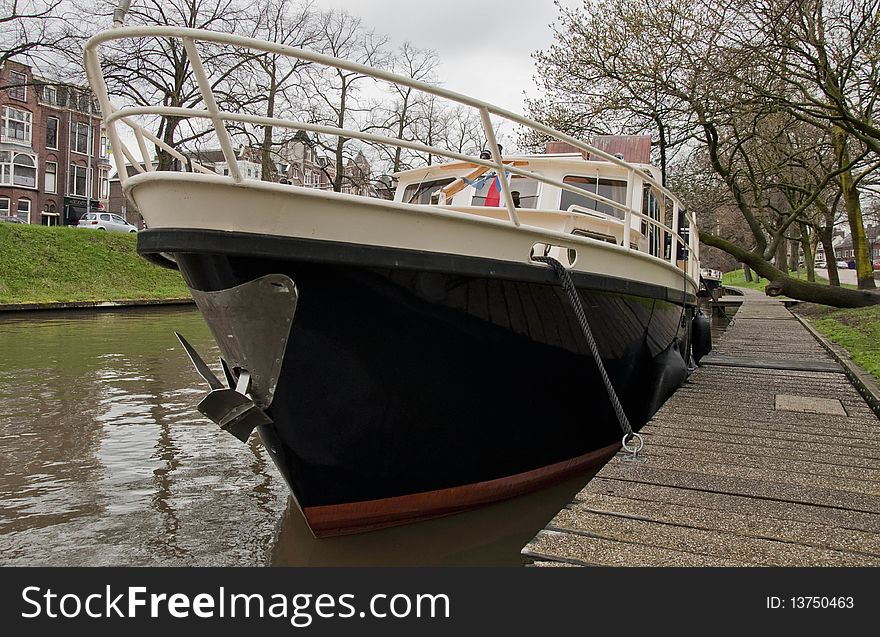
[595, 206]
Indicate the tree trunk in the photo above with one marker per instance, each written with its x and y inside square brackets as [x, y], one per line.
[401, 125]
[793, 262]
[782, 284]
[807, 246]
[827, 237]
[164, 159]
[747, 273]
[864, 267]
[662, 131]
[782, 257]
[268, 166]
[340, 142]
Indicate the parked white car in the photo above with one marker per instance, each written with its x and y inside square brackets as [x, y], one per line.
[105, 221]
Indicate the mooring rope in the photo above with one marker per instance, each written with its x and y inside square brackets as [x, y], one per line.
[578, 307]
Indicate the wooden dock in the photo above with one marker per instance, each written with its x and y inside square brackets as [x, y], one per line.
[768, 456]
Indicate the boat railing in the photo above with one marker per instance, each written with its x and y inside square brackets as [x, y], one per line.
[115, 117]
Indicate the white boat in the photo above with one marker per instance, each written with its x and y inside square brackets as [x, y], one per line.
[711, 282]
[409, 359]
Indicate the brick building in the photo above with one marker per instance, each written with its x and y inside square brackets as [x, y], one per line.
[53, 152]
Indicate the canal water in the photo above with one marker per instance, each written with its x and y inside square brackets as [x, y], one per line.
[104, 461]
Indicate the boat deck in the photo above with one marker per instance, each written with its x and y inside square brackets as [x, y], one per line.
[766, 457]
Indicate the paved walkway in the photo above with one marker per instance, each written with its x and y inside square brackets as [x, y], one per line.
[845, 275]
[767, 456]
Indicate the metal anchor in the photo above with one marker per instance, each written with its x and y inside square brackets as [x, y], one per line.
[227, 405]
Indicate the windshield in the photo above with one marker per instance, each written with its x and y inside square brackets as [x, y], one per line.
[421, 192]
[613, 189]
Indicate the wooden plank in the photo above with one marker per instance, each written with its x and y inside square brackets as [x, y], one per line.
[732, 476]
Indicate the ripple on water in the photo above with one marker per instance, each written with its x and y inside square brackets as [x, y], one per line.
[105, 459]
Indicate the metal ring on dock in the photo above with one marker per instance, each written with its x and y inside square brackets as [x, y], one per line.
[633, 452]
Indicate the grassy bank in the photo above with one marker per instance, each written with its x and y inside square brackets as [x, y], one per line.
[857, 330]
[43, 265]
[736, 278]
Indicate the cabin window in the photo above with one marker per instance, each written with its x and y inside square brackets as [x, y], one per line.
[525, 186]
[613, 189]
[422, 191]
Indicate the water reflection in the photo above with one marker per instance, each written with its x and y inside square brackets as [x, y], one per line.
[104, 458]
[489, 536]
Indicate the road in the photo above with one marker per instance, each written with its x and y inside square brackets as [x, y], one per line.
[846, 276]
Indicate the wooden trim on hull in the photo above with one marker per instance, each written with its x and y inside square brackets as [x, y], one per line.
[370, 515]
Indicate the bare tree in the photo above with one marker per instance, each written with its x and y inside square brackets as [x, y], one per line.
[334, 93]
[684, 61]
[618, 89]
[827, 58]
[150, 71]
[271, 80]
[401, 118]
[30, 27]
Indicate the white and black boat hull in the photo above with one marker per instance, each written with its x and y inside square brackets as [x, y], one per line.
[417, 384]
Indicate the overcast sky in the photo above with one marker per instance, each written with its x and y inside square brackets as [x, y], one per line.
[484, 48]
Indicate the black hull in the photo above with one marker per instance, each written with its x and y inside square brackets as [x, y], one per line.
[428, 377]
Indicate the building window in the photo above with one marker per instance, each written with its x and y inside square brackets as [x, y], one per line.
[18, 86]
[5, 168]
[50, 95]
[50, 215]
[24, 171]
[52, 133]
[18, 169]
[16, 126]
[103, 183]
[80, 137]
[76, 181]
[105, 147]
[24, 210]
[51, 177]
[4, 206]
[83, 102]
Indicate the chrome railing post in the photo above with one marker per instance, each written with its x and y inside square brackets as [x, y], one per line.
[499, 164]
[674, 239]
[93, 69]
[142, 144]
[211, 104]
[630, 206]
